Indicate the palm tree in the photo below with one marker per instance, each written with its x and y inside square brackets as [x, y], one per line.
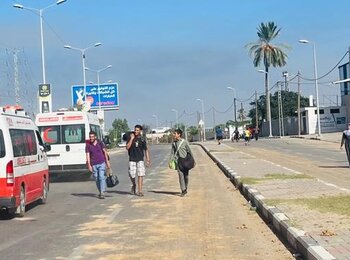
[271, 55]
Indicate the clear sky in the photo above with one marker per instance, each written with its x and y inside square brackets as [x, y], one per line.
[165, 53]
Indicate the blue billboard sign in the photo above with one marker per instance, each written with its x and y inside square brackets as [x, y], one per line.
[105, 96]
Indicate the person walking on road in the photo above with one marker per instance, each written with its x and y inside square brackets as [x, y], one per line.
[247, 136]
[346, 140]
[181, 147]
[137, 149]
[97, 161]
[219, 134]
[236, 135]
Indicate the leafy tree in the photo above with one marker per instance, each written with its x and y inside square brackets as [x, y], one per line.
[263, 51]
[119, 126]
[192, 131]
[289, 105]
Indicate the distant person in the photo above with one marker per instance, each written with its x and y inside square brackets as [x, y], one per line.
[247, 136]
[236, 135]
[256, 133]
[219, 134]
[181, 147]
[97, 161]
[346, 140]
[137, 149]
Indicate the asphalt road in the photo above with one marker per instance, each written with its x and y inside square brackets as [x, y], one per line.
[320, 159]
[212, 222]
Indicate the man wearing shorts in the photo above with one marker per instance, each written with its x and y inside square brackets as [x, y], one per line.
[137, 149]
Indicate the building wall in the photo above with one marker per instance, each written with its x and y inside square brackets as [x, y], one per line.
[333, 119]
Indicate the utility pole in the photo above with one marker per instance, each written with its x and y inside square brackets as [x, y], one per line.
[256, 111]
[279, 86]
[285, 75]
[235, 108]
[241, 113]
[17, 89]
[299, 118]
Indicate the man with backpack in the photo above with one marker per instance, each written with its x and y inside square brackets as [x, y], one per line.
[137, 149]
[97, 161]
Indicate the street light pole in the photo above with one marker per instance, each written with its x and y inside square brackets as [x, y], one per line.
[316, 86]
[98, 82]
[234, 104]
[40, 13]
[82, 51]
[176, 116]
[202, 102]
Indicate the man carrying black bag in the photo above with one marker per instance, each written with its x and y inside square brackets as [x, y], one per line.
[185, 159]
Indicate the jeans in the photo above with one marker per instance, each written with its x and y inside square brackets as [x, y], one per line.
[99, 171]
[183, 179]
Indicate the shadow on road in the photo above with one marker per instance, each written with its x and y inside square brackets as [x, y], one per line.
[333, 167]
[119, 192]
[92, 195]
[70, 177]
[173, 193]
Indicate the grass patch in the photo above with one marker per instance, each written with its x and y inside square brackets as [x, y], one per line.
[273, 176]
[333, 204]
[281, 176]
[250, 181]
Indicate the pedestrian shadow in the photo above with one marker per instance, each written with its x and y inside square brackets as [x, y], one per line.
[92, 195]
[121, 192]
[173, 193]
[334, 166]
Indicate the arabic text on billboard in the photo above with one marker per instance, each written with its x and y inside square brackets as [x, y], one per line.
[106, 96]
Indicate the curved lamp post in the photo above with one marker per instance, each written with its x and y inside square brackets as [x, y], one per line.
[202, 102]
[176, 116]
[98, 82]
[82, 51]
[316, 85]
[40, 13]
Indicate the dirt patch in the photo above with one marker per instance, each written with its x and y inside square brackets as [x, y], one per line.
[212, 222]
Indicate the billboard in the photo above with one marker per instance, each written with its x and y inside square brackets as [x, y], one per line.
[104, 95]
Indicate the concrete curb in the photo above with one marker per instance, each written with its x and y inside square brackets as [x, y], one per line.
[301, 243]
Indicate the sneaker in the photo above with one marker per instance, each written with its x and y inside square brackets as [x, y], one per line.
[133, 190]
[101, 195]
[183, 193]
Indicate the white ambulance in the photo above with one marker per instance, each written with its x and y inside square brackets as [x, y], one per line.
[67, 133]
[24, 176]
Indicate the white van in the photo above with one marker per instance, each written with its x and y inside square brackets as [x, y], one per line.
[24, 176]
[67, 133]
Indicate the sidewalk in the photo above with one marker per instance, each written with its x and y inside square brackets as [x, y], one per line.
[313, 234]
[328, 137]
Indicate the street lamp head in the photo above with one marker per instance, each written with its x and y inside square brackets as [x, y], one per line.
[198, 99]
[304, 41]
[262, 71]
[60, 2]
[97, 44]
[18, 6]
[109, 66]
[67, 46]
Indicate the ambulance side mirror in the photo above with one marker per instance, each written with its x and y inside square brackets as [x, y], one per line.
[47, 147]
